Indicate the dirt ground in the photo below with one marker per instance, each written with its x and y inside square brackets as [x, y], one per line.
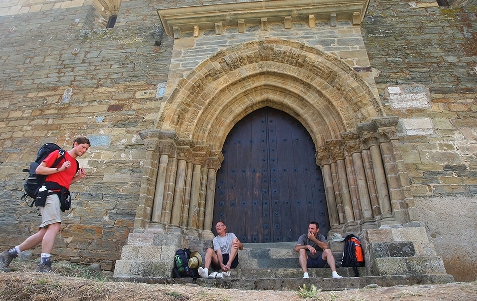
[70, 282]
[45, 287]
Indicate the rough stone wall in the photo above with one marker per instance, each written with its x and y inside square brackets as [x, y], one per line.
[426, 60]
[63, 75]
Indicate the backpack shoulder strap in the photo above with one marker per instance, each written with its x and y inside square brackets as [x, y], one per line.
[61, 156]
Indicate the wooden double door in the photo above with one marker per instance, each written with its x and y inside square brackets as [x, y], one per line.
[269, 187]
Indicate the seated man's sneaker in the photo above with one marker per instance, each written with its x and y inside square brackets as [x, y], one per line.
[226, 274]
[204, 273]
[219, 276]
[336, 276]
[212, 275]
[305, 275]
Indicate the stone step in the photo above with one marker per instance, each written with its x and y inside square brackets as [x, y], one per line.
[276, 255]
[295, 283]
[283, 273]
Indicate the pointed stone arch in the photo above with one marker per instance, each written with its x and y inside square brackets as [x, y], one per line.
[357, 146]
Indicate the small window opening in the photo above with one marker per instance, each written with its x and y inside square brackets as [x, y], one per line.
[111, 21]
[443, 3]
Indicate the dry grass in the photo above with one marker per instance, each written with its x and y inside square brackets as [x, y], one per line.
[75, 282]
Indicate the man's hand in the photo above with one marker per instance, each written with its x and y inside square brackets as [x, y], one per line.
[237, 244]
[311, 236]
[312, 250]
[81, 173]
[65, 165]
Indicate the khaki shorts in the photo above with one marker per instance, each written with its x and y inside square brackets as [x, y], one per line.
[51, 213]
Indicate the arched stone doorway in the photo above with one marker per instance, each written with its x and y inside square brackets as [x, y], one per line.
[362, 169]
[269, 187]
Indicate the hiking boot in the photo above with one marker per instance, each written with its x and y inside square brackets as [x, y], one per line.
[44, 266]
[6, 258]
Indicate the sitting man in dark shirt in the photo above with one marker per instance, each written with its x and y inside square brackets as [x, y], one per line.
[314, 251]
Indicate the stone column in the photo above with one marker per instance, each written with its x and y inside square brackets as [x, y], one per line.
[353, 187]
[336, 189]
[396, 191]
[183, 155]
[344, 189]
[371, 183]
[202, 192]
[358, 185]
[381, 183]
[324, 161]
[159, 193]
[366, 209]
[213, 165]
[169, 190]
[337, 152]
[178, 192]
[187, 195]
[194, 197]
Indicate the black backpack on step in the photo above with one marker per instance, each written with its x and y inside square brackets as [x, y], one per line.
[181, 265]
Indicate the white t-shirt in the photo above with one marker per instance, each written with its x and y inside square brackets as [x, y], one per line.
[224, 243]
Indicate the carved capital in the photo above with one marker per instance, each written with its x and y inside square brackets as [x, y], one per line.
[352, 144]
[200, 154]
[369, 139]
[335, 149]
[167, 148]
[388, 134]
[152, 139]
[215, 160]
[323, 156]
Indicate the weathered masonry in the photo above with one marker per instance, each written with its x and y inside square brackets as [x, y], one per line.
[265, 114]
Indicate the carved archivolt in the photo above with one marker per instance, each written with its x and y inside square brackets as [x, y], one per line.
[316, 88]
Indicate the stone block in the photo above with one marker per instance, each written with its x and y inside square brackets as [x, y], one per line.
[392, 249]
[425, 265]
[410, 234]
[415, 126]
[381, 235]
[129, 268]
[391, 266]
[130, 252]
[408, 97]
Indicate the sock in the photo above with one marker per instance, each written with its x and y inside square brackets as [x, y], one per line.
[44, 257]
[17, 249]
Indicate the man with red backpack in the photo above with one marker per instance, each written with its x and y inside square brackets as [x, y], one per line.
[59, 178]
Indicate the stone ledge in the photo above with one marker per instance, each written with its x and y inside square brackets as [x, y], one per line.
[240, 15]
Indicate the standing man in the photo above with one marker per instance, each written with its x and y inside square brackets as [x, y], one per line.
[224, 255]
[314, 251]
[64, 175]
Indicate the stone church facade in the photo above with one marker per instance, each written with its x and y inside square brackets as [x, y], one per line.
[386, 91]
